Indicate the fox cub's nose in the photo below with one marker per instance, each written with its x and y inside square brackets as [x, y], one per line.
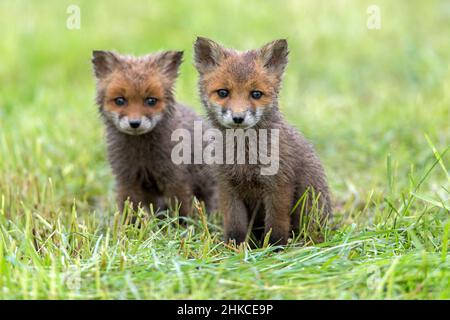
[238, 119]
[135, 123]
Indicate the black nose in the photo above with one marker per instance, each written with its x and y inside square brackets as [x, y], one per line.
[238, 119]
[135, 123]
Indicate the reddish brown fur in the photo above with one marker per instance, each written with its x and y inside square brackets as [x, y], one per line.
[243, 191]
[120, 86]
[142, 164]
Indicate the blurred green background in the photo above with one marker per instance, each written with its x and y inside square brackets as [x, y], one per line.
[359, 95]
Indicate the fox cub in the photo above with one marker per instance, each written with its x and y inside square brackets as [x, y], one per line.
[136, 101]
[240, 91]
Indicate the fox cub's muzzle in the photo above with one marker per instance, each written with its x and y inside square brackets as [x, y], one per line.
[133, 126]
[243, 119]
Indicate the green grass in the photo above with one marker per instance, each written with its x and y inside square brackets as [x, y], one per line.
[376, 104]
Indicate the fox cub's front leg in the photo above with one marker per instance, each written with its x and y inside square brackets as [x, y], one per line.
[235, 216]
[184, 195]
[138, 198]
[277, 219]
[132, 193]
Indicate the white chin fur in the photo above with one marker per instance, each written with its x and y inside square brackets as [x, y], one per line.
[123, 124]
[226, 118]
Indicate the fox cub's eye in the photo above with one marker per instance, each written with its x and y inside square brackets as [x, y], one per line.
[256, 94]
[150, 101]
[223, 93]
[120, 101]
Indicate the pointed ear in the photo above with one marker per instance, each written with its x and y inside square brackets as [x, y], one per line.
[207, 54]
[104, 62]
[274, 56]
[169, 62]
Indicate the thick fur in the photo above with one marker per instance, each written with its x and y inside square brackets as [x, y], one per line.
[243, 192]
[141, 162]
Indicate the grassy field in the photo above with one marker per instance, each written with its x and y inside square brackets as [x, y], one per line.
[375, 103]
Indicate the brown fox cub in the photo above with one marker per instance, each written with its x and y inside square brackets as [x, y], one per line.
[138, 107]
[240, 91]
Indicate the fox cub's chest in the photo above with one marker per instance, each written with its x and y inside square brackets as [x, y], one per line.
[245, 177]
[148, 181]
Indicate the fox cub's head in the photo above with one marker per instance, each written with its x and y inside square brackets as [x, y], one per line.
[133, 93]
[239, 88]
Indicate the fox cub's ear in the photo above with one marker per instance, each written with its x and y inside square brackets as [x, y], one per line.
[274, 56]
[104, 62]
[207, 54]
[169, 62]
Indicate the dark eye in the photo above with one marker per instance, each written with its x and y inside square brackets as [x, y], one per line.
[120, 101]
[223, 93]
[150, 101]
[256, 94]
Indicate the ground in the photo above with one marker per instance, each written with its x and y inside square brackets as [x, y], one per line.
[374, 102]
